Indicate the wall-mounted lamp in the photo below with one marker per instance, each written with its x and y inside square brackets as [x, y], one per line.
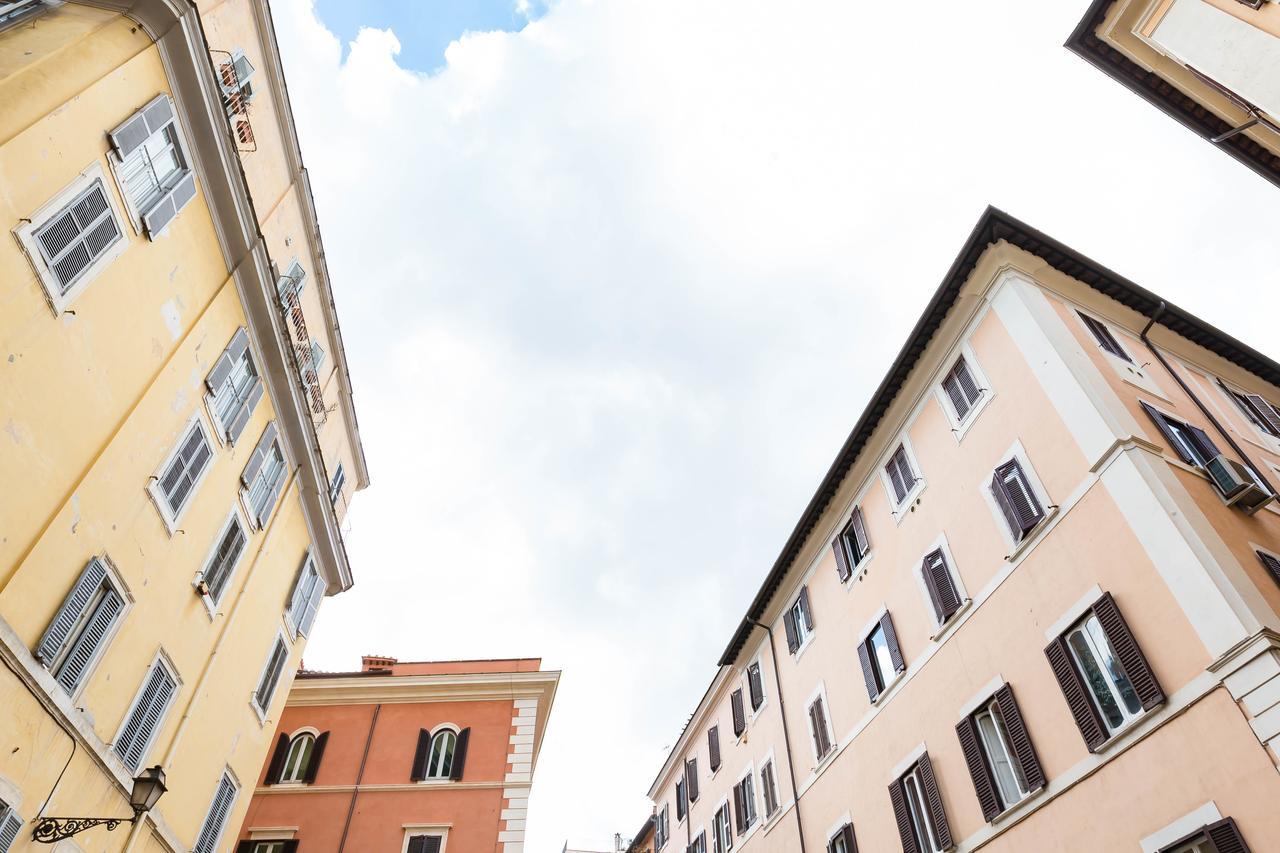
[148, 786]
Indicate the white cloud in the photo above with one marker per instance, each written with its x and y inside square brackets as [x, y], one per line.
[616, 286]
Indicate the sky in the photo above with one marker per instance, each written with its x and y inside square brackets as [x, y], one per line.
[616, 279]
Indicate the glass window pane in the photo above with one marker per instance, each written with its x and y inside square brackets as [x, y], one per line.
[919, 813]
[1118, 678]
[999, 759]
[1095, 679]
[880, 654]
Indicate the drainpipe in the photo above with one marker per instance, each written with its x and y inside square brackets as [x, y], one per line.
[1204, 410]
[355, 792]
[786, 734]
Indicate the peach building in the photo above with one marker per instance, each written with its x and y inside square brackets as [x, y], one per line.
[1034, 604]
[404, 757]
[1212, 65]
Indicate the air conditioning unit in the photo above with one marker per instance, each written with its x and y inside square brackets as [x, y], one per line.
[1237, 485]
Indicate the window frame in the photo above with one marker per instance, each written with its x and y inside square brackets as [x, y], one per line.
[228, 774]
[162, 660]
[747, 777]
[1018, 453]
[413, 831]
[170, 517]
[302, 765]
[940, 626]
[845, 539]
[58, 300]
[799, 612]
[755, 710]
[1003, 742]
[884, 684]
[279, 639]
[770, 763]
[210, 601]
[183, 150]
[1103, 329]
[719, 843]
[1084, 628]
[900, 508]
[445, 771]
[1258, 421]
[256, 519]
[918, 810]
[960, 425]
[819, 695]
[337, 483]
[113, 578]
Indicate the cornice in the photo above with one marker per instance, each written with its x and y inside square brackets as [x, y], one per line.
[401, 689]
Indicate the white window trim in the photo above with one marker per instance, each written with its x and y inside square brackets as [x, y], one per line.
[768, 819]
[835, 829]
[897, 677]
[153, 484]
[941, 628]
[1181, 828]
[268, 834]
[235, 798]
[245, 491]
[1073, 614]
[211, 606]
[126, 596]
[911, 759]
[161, 659]
[899, 510]
[25, 234]
[440, 727]
[135, 216]
[819, 764]
[1016, 548]
[960, 426]
[982, 697]
[440, 829]
[758, 660]
[275, 693]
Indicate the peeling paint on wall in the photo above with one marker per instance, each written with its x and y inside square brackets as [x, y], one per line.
[172, 318]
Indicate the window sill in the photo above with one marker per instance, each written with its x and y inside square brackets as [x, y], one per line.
[889, 688]
[910, 502]
[756, 712]
[437, 783]
[808, 641]
[1027, 542]
[1119, 735]
[953, 621]
[1020, 808]
[859, 571]
[961, 428]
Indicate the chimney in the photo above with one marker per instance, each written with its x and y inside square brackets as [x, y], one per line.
[371, 663]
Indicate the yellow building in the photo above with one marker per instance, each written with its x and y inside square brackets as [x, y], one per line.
[178, 442]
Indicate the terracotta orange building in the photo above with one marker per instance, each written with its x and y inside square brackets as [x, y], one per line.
[417, 757]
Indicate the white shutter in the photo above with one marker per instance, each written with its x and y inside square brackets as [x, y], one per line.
[75, 236]
[301, 595]
[73, 607]
[10, 826]
[313, 604]
[216, 820]
[91, 637]
[145, 717]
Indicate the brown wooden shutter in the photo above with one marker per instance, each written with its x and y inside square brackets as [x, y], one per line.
[1271, 564]
[1006, 508]
[1077, 695]
[1225, 837]
[738, 810]
[903, 818]
[1202, 440]
[1019, 739]
[891, 640]
[1103, 335]
[843, 570]
[951, 384]
[1017, 489]
[941, 586]
[868, 672]
[1127, 650]
[460, 755]
[789, 623]
[983, 783]
[277, 760]
[755, 686]
[739, 716]
[713, 747]
[418, 771]
[691, 778]
[861, 543]
[805, 610]
[934, 796]
[850, 843]
[1171, 443]
[1266, 412]
[317, 752]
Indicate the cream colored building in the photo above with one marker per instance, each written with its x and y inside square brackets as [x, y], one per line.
[1033, 606]
[178, 443]
[1212, 65]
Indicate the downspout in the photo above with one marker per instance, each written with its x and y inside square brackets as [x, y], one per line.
[1204, 410]
[786, 733]
[355, 792]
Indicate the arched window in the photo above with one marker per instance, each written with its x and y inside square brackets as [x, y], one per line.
[440, 756]
[298, 758]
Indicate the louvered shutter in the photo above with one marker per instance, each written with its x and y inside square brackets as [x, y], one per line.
[891, 640]
[951, 385]
[1102, 334]
[1077, 695]
[1271, 564]
[789, 624]
[1203, 443]
[290, 846]
[754, 686]
[738, 813]
[245, 847]
[1022, 501]
[739, 715]
[861, 544]
[805, 610]
[1130, 654]
[10, 826]
[170, 204]
[136, 129]
[691, 778]
[77, 235]
[1020, 739]
[259, 455]
[460, 755]
[241, 419]
[843, 570]
[895, 477]
[967, 383]
[69, 612]
[91, 637]
[1266, 412]
[418, 844]
[301, 592]
[144, 720]
[983, 783]
[432, 844]
[941, 586]
[934, 797]
[868, 671]
[682, 800]
[1226, 837]
[276, 767]
[418, 771]
[271, 675]
[903, 818]
[276, 488]
[234, 351]
[216, 820]
[315, 595]
[1171, 442]
[850, 843]
[1006, 508]
[713, 747]
[317, 752]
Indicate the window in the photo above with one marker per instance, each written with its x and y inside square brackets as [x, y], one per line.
[440, 755]
[999, 753]
[226, 554]
[798, 621]
[722, 830]
[297, 758]
[744, 803]
[769, 787]
[11, 14]
[234, 387]
[755, 685]
[1016, 498]
[819, 728]
[901, 476]
[661, 828]
[78, 633]
[1190, 443]
[713, 748]
[1103, 674]
[962, 389]
[1222, 836]
[851, 546]
[1271, 563]
[182, 472]
[151, 165]
[1261, 413]
[263, 476]
[10, 823]
[73, 237]
[699, 844]
[236, 76]
[144, 718]
[271, 675]
[691, 779]
[425, 843]
[739, 716]
[304, 601]
[289, 846]
[941, 585]
[917, 806]
[215, 821]
[842, 841]
[881, 657]
[1102, 334]
[335, 485]
[682, 799]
